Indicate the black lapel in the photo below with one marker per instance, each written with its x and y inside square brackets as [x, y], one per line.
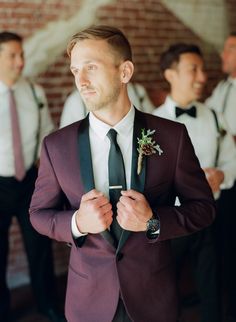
[86, 168]
[85, 158]
[137, 181]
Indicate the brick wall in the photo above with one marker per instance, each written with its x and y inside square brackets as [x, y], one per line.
[150, 28]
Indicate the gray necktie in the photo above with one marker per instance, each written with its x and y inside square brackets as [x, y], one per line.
[16, 139]
[117, 180]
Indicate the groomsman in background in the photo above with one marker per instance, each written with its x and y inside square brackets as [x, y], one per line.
[223, 99]
[183, 68]
[24, 121]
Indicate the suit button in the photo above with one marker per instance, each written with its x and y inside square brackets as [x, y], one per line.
[119, 256]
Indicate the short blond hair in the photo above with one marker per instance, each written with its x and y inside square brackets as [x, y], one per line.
[114, 37]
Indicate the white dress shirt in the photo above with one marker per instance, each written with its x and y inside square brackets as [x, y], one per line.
[100, 146]
[203, 133]
[216, 102]
[28, 121]
[74, 109]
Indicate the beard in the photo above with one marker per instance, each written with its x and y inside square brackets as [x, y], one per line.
[101, 102]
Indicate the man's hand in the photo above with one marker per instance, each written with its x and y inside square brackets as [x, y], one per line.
[94, 214]
[214, 177]
[133, 211]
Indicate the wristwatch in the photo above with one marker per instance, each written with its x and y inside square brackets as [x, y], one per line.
[153, 228]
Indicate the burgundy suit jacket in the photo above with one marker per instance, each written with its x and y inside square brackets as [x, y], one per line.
[139, 270]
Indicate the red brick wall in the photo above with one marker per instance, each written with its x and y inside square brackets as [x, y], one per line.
[231, 5]
[150, 28]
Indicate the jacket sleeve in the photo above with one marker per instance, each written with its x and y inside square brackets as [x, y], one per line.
[47, 210]
[197, 205]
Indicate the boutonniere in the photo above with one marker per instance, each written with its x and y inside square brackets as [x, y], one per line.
[146, 146]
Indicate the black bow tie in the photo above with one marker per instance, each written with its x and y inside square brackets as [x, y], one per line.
[190, 111]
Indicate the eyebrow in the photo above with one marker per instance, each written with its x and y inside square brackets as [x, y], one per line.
[87, 62]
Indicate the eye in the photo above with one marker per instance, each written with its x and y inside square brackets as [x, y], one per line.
[74, 71]
[91, 67]
[193, 69]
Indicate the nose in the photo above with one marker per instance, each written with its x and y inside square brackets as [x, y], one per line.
[223, 55]
[202, 76]
[82, 79]
[20, 61]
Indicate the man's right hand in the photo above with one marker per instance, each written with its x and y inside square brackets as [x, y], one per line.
[214, 177]
[94, 214]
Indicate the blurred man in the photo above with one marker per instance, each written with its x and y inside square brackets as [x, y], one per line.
[24, 121]
[183, 67]
[223, 99]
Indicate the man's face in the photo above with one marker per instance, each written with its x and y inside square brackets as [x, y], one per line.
[11, 61]
[228, 56]
[97, 73]
[188, 77]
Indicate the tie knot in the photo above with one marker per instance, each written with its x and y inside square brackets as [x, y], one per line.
[112, 134]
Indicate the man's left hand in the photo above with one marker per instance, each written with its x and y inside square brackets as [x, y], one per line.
[133, 211]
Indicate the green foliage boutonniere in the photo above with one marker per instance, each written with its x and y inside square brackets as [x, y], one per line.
[146, 146]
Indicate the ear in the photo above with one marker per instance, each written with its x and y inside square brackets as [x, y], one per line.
[169, 74]
[126, 71]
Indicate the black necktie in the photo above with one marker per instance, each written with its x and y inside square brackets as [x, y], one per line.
[117, 181]
[190, 111]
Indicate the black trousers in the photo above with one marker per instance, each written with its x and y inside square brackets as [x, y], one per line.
[201, 249]
[14, 201]
[226, 231]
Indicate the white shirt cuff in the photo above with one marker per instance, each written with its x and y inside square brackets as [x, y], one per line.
[75, 231]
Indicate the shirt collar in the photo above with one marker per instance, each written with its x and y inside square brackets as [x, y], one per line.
[232, 80]
[123, 127]
[4, 88]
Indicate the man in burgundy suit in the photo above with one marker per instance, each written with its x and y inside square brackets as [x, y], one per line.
[120, 267]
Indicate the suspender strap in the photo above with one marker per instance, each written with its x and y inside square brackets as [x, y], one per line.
[40, 106]
[218, 137]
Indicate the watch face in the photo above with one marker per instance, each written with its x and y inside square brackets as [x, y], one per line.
[153, 228]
